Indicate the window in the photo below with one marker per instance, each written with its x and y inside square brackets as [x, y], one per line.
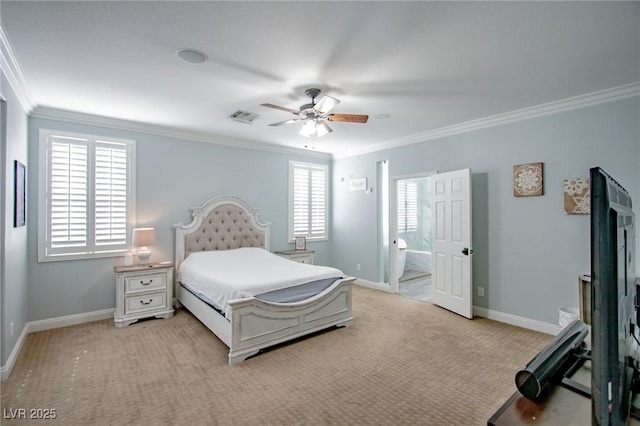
[86, 196]
[407, 195]
[308, 195]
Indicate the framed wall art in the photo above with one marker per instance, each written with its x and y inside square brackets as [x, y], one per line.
[19, 194]
[527, 180]
[577, 197]
[301, 243]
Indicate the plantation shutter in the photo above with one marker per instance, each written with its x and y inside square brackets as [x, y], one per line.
[412, 206]
[88, 194]
[407, 203]
[401, 196]
[308, 213]
[301, 201]
[318, 196]
[68, 193]
[110, 194]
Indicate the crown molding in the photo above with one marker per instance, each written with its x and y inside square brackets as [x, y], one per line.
[568, 104]
[133, 126]
[13, 72]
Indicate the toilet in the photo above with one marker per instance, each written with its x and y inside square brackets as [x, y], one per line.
[402, 256]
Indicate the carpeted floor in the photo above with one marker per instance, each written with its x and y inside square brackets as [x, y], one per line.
[403, 362]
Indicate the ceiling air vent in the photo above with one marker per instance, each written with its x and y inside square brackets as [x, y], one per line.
[243, 117]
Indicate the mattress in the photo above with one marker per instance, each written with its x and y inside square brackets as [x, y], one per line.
[218, 277]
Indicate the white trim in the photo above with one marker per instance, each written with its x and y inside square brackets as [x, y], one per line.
[48, 324]
[372, 284]
[153, 129]
[66, 321]
[531, 324]
[5, 370]
[11, 68]
[575, 102]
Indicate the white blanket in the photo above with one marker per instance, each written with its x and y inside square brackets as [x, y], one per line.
[224, 275]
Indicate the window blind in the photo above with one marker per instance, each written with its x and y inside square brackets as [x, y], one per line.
[308, 198]
[68, 193]
[407, 205]
[89, 196]
[110, 194]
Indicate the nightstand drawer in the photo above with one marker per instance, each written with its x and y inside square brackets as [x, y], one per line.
[145, 302]
[143, 291]
[147, 282]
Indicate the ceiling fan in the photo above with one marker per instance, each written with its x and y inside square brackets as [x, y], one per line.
[315, 115]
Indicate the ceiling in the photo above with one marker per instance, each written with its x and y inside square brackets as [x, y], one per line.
[413, 67]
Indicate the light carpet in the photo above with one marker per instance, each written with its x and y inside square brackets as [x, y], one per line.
[402, 362]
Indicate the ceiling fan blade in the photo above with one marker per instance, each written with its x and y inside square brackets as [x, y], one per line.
[292, 111]
[349, 118]
[280, 123]
[326, 104]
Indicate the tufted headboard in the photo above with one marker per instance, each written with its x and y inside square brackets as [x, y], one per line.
[222, 223]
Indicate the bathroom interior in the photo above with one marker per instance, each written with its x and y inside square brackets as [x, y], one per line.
[413, 218]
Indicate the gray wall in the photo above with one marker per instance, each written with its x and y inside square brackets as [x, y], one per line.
[171, 176]
[527, 252]
[13, 265]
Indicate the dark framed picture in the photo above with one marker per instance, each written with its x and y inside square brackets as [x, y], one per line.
[19, 194]
[301, 243]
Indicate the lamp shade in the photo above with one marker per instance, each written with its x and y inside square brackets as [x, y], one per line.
[143, 237]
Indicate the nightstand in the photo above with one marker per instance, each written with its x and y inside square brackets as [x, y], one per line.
[143, 291]
[300, 256]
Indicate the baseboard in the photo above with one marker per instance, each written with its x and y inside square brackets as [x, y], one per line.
[49, 324]
[523, 322]
[68, 320]
[372, 284]
[5, 370]
[518, 321]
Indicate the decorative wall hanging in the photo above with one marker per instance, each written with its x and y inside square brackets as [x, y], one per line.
[359, 184]
[527, 180]
[577, 198]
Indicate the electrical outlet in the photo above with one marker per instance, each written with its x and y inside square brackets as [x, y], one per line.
[481, 291]
[358, 267]
[11, 329]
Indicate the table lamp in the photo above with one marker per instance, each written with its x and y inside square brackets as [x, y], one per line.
[142, 238]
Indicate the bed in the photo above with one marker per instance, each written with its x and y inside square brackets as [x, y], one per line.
[251, 321]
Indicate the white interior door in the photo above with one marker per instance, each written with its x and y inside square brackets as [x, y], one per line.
[451, 241]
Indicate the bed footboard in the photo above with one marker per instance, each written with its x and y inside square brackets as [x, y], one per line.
[256, 324]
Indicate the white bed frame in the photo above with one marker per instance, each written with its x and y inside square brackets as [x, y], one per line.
[255, 324]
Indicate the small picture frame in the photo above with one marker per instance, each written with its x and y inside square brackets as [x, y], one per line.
[19, 194]
[301, 243]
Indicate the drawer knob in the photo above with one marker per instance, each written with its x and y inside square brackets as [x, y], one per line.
[147, 283]
[146, 303]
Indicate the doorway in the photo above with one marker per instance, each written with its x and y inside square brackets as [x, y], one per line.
[411, 226]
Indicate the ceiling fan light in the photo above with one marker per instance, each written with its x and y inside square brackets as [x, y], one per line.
[323, 129]
[326, 104]
[308, 129]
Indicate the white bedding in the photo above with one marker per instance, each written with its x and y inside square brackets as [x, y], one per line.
[224, 275]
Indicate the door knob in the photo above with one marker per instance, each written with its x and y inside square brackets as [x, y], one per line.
[466, 251]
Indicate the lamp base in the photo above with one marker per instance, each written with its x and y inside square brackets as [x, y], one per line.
[143, 255]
